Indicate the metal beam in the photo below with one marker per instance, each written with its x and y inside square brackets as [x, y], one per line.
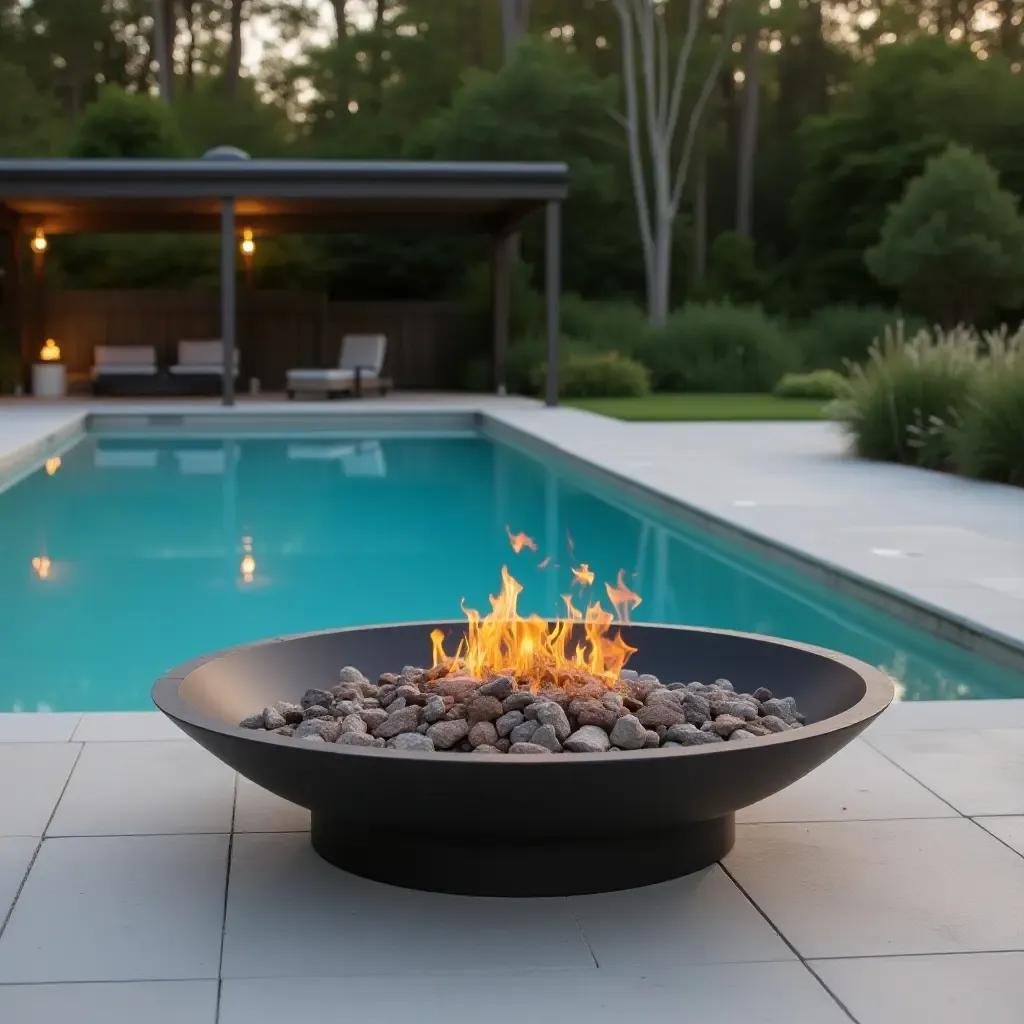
[227, 297]
[552, 287]
[500, 307]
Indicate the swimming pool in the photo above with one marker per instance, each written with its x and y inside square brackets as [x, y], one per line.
[136, 553]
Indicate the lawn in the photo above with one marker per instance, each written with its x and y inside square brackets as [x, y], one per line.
[704, 407]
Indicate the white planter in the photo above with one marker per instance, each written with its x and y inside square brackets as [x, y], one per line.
[49, 380]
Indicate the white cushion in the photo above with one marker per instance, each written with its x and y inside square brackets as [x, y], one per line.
[321, 376]
[124, 355]
[363, 352]
[202, 353]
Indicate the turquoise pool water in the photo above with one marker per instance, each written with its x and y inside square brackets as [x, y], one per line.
[133, 555]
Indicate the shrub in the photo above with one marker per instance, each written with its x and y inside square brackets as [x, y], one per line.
[990, 441]
[733, 274]
[835, 336]
[824, 384]
[906, 400]
[126, 124]
[954, 244]
[604, 324]
[10, 368]
[597, 375]
[717, 347]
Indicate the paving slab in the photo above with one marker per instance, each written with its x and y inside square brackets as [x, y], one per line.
[987, 987]
[34, 775]
[256, 810]
[16, 853]
[145, 788]
[135, 908]
[130, 1002]
[126, 726]
[1009, 829]
[882, 888]
[34, 727]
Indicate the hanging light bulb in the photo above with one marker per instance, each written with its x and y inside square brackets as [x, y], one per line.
[39, 243]
[248, 245]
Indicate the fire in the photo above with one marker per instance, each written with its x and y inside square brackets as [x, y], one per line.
[52, 465]
[41, 566]
[533, 650]
[520, 541]
[50, 352]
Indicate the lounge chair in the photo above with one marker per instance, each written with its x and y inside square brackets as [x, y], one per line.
[359, 367]
[200, 367]
[124, 370]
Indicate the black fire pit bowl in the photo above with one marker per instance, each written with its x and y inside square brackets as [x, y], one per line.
[522, 825]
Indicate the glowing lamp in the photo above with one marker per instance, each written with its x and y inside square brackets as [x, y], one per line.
[248, 245]
[50, 352]
[41, 566]
[52, 465]
[39, 243]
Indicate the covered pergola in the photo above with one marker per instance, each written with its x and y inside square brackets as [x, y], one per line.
[225, 191]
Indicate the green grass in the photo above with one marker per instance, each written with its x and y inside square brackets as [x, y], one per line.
[704, 407]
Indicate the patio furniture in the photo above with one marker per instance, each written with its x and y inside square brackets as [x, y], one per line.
[200, 367]
[49, 380]
[202, 461]
[124, 370]
[359, 367]
[125, 458]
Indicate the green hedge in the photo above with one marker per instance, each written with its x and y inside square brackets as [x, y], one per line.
[598, 375]
[824, 384]
[835, 336]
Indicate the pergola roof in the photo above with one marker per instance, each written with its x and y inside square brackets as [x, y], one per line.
[95, 196]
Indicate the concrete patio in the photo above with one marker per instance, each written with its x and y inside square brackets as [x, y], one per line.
[140, 879]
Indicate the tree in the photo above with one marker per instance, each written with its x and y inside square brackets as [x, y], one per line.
[515, 20]
[123, 124]
[954, 244]
[28, 120]
[654, 94]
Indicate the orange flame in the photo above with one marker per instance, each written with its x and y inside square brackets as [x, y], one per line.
[520, 541]
[622, 598]
[584, 575]
[533, 650]
[545, 563]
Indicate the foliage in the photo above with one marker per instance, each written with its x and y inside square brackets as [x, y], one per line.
[835, 336]
[598, 375]
[124, 124]
[907, 399]
[208, 117]
[29, 123]
[733, 273]
[10, 366]
[604, 323]
[989, 443]
[954, 244]
[823, 384]
[717, 347]
[679, 408]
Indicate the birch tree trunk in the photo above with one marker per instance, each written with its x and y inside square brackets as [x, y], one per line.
[660, 135]
[699, 268]
[515, 20]
[747, 142]
[234, 63]
[163, 45]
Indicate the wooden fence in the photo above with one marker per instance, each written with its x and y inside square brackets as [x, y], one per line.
[276, 330]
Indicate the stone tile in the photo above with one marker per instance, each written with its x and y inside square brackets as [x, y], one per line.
[700, 919]
[145, 788]
[291, 914]
[34, 775]
[35, 727]
[257, 810]
[774, 993]
[16, 854]
[911, 715]
[1009, 829]
[877, 888]
[978, 771]
[128, 1002]
[127, 908]
[128, 726]
[858, 783]
[937, 989]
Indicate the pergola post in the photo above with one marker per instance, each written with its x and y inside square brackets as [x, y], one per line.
[227, 297]
[552, 287]
[500, 307]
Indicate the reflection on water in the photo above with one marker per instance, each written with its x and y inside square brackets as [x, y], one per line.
[167, 548]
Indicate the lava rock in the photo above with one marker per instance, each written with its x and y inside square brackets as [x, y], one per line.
[462, 688]
[629, 733]
[669, 696]
[455, 712]
[679, 733]
[347, 691]
[258, 721]
[546, 737]
[486, 748]
[736, 708]
[773, 723]
[726, 724]
[627, 675]
[483, 733]
[484, 709]
[741, 734]
[550, 713]
[590, 739]
[527, 748]
[653, 739]
[285, 730]
[350, 674]
[434, 710]
[404, 720]
[347, 707]
[661, 712]
[756, 728]
[519, 699]
[502, 746]
[327, 728]
[386, 679]
[373, 717]
[523, 732]
[632, 704]
[396, 704]
[421, 728]
[612, 700]
[781, 707]
[311, 697]
[446, 734]
[596, 714]
[311, 737]
[291, 713]
[410, 741]
[358, 739]
[353, 723]
[696, 738]
[273, 719]
[316, 711]
[508, 722]
[500, 687]
[724, 684]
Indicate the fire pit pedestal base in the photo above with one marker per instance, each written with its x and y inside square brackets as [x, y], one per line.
[521, 866]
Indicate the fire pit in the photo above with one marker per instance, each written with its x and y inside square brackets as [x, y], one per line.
[544, 824]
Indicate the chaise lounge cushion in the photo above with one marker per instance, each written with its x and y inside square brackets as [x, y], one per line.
[362, 352]
[123, 361]
[201, 358]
